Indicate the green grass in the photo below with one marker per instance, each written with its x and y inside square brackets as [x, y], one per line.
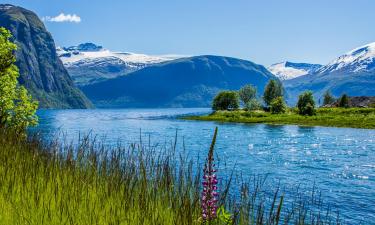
[332, 117]
[46, 183]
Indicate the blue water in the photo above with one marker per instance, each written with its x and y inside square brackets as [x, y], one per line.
[340, 161]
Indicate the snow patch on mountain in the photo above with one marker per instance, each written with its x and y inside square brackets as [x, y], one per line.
[89, 63]
[288, 70]
[89, 52]
[361, 59]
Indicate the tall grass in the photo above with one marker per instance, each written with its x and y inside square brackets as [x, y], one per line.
[46, 183]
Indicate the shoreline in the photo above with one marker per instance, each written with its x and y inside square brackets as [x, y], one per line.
[363, 118]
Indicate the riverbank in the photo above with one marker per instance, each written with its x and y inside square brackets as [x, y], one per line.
[330, 117]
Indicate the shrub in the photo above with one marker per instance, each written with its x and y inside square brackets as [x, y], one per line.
[226, 100]
[344, 101]
[247, 93]
[253, 104]
[278, 106]
[306, 104]
[328, 98]
[272, 90]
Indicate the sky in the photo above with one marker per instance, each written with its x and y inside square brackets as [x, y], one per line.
[264, 31]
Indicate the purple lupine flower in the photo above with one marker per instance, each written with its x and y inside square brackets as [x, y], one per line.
[209, 193]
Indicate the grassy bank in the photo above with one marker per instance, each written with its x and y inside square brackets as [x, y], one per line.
[91, 184]
[332, 117]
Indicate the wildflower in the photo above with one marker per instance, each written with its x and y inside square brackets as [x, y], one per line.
[209, 193]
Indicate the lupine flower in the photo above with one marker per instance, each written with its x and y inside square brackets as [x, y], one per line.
[209, 193]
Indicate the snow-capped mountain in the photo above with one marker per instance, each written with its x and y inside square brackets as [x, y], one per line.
[289, 70]
[361, 59]
[352, 73]
[89, 63]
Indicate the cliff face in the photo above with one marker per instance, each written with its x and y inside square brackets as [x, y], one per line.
[41, 70]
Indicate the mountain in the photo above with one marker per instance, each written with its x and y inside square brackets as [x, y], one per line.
[352, 73]
[289, 70]
[41, 70]
[359, 60]
[89, 63]
[185, 82]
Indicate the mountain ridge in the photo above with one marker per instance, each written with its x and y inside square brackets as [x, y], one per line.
[288, 70]
[89, 63]
[184, 82]
[352, 73]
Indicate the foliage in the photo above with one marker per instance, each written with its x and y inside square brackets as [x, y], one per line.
[224, 216]
[328, 98]
[344, 101]
[306, 104]
[17, 109]
[226, 100]
[331, 117]
[278, 105]
[247, 93]
[272, 90]
[253, 104]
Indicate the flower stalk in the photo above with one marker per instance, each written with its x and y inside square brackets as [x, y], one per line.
[210, 191]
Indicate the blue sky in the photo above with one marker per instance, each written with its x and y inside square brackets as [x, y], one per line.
[265, 32]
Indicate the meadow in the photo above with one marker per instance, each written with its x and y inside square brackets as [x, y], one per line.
[332, 117]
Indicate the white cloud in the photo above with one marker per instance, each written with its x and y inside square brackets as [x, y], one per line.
[73, 18]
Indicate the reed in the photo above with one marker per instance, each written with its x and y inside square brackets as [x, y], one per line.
[89, 183]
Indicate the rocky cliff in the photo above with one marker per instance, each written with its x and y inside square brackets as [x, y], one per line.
[41, 70]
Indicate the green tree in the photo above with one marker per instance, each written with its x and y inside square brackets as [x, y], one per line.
[328, 98]
[278, 105]
[17, 109]
[247, 93]
[344, 101]
[253, 104]
[306, 104]
[226, 100]
[272, 90]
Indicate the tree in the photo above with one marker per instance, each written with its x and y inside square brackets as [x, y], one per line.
[306, 104]
[328, 98]
[344, 101]
[226, 100]
[278, 105]
[247, 93]
[272, 90]
[253, 104]
[17, 109]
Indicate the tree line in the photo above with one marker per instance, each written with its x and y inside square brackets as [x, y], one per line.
[273, 100]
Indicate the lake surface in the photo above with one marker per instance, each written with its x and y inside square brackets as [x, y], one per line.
[340, 161]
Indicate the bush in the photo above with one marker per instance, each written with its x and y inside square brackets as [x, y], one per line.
[273, 90]
[306, 104]
[253, 104]
[278, 106]
[247, 93]
[344, 101]
[226, 100]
